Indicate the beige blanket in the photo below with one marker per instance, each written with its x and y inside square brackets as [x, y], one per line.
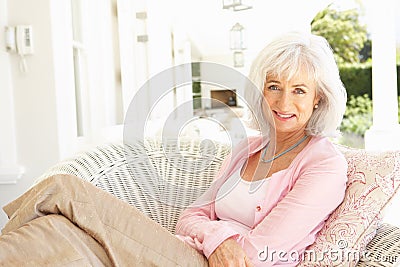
[65, 221]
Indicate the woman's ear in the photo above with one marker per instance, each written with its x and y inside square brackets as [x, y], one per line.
[316, 101]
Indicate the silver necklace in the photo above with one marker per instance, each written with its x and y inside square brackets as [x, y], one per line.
[280, 154]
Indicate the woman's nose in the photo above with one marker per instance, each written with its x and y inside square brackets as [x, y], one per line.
[284, 101]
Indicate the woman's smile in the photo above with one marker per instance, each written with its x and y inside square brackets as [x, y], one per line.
[284, 116]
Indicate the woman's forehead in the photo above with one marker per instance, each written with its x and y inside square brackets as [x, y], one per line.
[289, 70]
[301, 75]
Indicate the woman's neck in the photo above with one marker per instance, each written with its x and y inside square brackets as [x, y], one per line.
[286, 140]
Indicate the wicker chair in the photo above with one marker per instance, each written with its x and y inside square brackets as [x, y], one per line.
[154, 176]
[162, 178]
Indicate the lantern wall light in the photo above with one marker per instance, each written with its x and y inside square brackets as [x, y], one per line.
[237, 37]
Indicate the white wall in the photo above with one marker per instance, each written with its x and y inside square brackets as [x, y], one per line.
[8, 153]
[33, 97]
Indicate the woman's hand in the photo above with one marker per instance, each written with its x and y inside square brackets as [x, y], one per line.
[229, 253]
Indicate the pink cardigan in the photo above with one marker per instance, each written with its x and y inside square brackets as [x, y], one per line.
[299, 200]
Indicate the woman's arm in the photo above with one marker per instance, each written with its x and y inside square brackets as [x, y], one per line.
[199, 227]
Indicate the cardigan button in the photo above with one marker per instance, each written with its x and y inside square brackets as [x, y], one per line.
[258, 208]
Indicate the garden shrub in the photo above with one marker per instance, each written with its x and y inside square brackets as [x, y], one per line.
[358, 115]
[357, 78]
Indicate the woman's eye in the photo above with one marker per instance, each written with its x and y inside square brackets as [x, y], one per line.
[273, 87]
[299, 91]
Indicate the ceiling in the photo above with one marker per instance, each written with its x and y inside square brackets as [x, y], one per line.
[207, 24]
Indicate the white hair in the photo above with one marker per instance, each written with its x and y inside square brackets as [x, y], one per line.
[285, 57]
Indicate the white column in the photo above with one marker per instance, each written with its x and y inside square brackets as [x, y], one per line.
[385, 131]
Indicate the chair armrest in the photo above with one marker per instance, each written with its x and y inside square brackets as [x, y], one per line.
[384, 248]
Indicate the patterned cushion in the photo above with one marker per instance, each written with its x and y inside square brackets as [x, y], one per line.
[373, 179]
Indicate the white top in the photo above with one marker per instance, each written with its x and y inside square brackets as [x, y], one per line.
[238, 200]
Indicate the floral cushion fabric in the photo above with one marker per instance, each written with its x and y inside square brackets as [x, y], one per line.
[373, 179]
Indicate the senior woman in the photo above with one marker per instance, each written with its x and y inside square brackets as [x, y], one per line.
[272, 194]
[297, 185]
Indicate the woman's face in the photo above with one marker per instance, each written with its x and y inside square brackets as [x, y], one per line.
[291, 102]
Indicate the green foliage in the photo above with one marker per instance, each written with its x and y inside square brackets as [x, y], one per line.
[366, 52]
[196, 87]
[357, 78]
[398, 109]
[343, 32]
[398, 56]
[358, 115]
